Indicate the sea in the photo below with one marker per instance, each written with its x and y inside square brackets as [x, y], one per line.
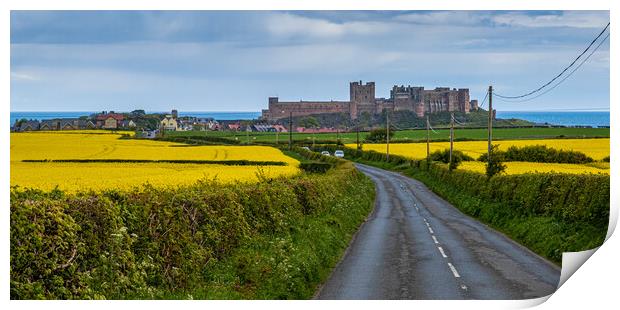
[563, 118]
[75, 114]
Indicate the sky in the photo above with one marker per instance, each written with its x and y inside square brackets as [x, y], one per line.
[235, 60]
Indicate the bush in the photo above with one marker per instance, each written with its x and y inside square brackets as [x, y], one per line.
[541, 154]
[315, 166]
[606, 159]
[495, 164]
[444, 157]
[379, 135]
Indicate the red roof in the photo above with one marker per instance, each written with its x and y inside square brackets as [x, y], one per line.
[116, 116]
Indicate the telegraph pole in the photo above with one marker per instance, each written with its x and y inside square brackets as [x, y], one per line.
[387, 133]
[357, 131]
[451, 135]
[290, 131]
[490, 124]
[428, 139]
[277, 133]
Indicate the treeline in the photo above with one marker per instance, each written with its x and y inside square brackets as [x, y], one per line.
[278, 238]
[540, 154]
[550, 213]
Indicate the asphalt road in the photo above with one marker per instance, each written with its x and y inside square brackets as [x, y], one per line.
[415, 245]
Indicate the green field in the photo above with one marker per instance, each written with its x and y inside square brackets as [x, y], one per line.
[407, 135]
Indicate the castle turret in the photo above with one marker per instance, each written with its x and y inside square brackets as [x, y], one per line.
[360, 95]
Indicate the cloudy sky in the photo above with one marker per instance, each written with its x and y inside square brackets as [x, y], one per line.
[233, 61]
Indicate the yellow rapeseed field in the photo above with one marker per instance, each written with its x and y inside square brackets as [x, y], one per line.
[81, 176]
[517, 167]
[595, 148]
[102, 145]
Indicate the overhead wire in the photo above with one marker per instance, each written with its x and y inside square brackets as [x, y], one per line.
[562, 80]
[561, 73]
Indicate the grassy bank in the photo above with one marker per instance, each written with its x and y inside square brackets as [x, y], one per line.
[549, 213]
[278, 238]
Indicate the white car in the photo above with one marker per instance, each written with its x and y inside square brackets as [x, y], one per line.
[326, 153]
[339, 153]
[306, 148]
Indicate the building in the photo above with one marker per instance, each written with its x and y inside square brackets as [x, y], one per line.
[169, 123]
[109, 120]
[362, 99]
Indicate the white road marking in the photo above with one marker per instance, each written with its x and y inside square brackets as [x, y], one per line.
[442, 252]
[431, 230]
[454, 272]
[435, 239]
[428, 225]
[463, 286]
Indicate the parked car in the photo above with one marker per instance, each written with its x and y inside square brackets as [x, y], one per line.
[306, 148]
[339, 153]
[326, 153]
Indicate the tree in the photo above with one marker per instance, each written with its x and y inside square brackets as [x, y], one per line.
[495, 165]
[379, 135]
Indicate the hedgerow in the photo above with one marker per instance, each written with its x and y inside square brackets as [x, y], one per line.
[274, 239]
[540, 154]
[571, 209]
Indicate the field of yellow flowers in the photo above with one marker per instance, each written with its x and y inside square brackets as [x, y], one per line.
[595, 148]
[101, 145]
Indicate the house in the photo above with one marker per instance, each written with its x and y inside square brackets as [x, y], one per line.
[234, 127]
[109, 120]
[127, 124]
[50, 124]
[29, 126]
[169, 123]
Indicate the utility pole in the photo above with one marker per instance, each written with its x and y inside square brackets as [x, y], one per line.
[277, 133]
[428, 139]
[290, 131]
[490, 124]
[357, 131]
[451, 135]
[247, 133]
[387, 133]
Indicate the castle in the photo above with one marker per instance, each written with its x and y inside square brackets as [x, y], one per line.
[362, 100]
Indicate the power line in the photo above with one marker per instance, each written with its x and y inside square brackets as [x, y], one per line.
[561, 73]
[484, 100]
[562, 80]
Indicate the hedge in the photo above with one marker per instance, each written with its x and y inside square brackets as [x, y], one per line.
[241, 162]
[550, 213]
[277, 238]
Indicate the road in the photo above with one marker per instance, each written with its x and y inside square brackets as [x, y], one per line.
[415, 245]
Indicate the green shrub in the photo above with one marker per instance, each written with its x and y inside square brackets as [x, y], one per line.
[541, 154]
[606, 159]
[379, 135]
[495, 164]
[444, 157]
[315, 166]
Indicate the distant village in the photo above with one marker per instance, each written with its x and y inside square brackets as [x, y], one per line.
[149, 125]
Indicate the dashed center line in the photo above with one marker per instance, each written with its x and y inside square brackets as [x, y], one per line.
[431, 230]
[454, 272]
[435, 239]
[442, 252]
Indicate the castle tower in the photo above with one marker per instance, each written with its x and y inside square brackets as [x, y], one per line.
[360, 94]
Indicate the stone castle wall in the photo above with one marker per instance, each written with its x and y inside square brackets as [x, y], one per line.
[362, 99]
